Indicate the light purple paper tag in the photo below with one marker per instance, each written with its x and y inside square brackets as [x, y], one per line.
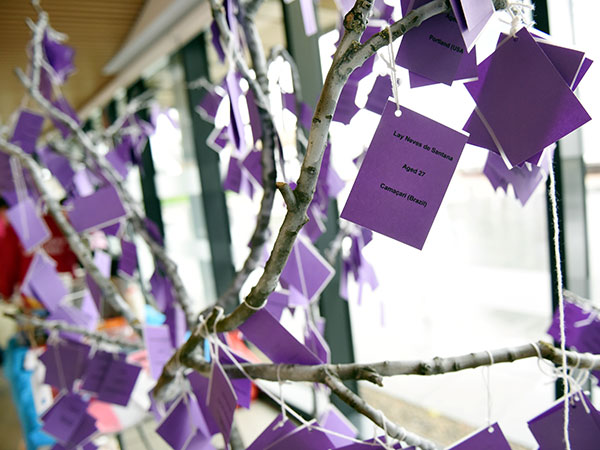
[199, 386]
[221, 400]
[306, 270]
[276, 303]
[42, 281]
[490, 438]
[161, 290]
[307, 8]
[98, 210]
[28, 225]
[404, 176]
[160, 348]
[27, 130]
[63, 105]
[278, 345]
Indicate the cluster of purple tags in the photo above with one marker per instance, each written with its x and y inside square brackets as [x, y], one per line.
[524, 103]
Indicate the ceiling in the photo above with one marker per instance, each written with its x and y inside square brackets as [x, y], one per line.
[96, 29]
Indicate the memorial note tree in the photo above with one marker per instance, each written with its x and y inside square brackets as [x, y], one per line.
[198, 380]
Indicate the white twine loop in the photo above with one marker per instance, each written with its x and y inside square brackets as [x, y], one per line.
[255, 308]
[517, 11]
[282, 400]
[393, 74]
[486, 376]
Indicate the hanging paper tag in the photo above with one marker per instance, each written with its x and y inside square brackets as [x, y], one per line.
[182, 424]
[273, 433]
[96, 371]
[28, 225]
[472, 16]
[584, 420]
[303, 438]
[490, 438]
[306, 270]
[160, 348]
[335, 421]
[63, 418]
[43, 283]
[277, 344]
[86, 214]
[27, 130]
[434, 49]
[404, 176]
[118, 383]
[221, 400]
[199, 386]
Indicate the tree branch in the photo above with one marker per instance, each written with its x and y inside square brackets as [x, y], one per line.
[83, 254]
[63, 326]
[135, 214]
[374, 372]
[377, 417]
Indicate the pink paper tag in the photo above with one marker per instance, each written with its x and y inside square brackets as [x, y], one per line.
[404, 176]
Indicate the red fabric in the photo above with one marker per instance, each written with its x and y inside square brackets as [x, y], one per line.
[13, 260]
[57, 247]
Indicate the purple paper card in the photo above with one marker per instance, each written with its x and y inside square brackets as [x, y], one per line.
[183, 423]
[128, 260]
[199, 386]
[216, 40]
[96, 370]
[241, 386]
[434, 49]
[65, 362]
[306, 270]
[209, 105]
[42, 281]
[278, 345]
[316, 343]
[540, 120]
[160, 348]
[404, 176]
[115, 159]
[276, 303]
[490, 438]
[472, 17]
[161, 291]
[272, 433]
[84, 431]
[582, 71]
[58, 165]
[98, 210]
[301, 439]
[368, 445]
[118, 383]
[346, 107]
[221, 400]
[64, 417]
[253, 164]
[235, 93]
[59, 56]
[584, 433]
[381, 91]
[566, 61]
[28, 225]
[334, 420]
[255, 121]
[63, 105]
[27, 130]
[307, 8]
[176, 322]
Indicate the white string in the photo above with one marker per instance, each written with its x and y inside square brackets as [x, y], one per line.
[376, 438]
[516, 10]
[486, 376]
[255, 308]
[283, 414]
[393, 74]
[21, 190]
[561, 303]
